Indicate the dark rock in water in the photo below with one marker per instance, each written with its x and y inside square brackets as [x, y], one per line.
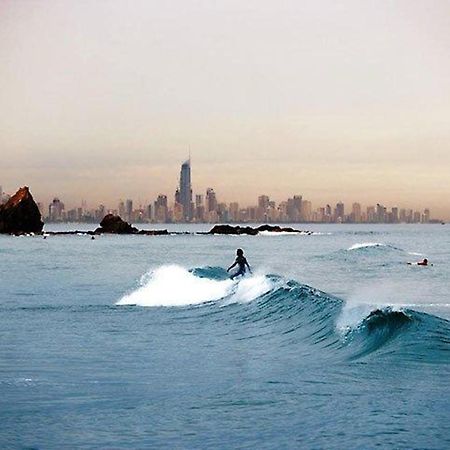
[153, 232]
[228, 229]
[20, 214]
[114, 224]
[278, 229]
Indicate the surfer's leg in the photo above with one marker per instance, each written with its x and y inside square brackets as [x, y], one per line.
[237, 274]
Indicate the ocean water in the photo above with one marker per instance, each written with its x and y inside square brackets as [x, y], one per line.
[132, 342]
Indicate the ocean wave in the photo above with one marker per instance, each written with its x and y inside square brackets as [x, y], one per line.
[174, 285]
[296, 315]
[368, 245]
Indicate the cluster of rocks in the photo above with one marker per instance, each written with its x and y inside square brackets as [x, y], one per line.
[228, 229]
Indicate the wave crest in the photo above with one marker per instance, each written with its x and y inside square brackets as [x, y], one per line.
[292, 314]
[173, 285]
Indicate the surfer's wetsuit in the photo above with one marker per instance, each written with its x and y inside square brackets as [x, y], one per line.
[241, 261]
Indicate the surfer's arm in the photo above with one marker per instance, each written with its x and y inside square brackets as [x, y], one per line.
[232, 265]
[247, 264]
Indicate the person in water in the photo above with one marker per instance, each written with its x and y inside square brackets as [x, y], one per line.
[241, 261]
[424, 262]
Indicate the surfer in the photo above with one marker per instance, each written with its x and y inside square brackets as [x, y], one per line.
[241, 261]
[424, 262]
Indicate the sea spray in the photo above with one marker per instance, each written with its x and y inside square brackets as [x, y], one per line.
[173, 285]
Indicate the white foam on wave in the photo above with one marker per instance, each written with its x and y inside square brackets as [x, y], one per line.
[365, 299]
[250, 288]
[292, 233]
[366, 245]
[173, 285]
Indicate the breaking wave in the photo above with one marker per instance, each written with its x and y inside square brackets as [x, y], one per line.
[287, 313]
[175, 286]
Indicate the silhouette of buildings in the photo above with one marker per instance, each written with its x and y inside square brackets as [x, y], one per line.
[208, 208]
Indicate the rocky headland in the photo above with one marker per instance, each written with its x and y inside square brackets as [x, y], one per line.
[20, 214]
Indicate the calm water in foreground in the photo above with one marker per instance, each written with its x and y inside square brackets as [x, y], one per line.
[143, 342]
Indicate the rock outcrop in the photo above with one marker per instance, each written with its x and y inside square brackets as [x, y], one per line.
[228, 229]
[115, 225]
[20, 214]
[153, 232]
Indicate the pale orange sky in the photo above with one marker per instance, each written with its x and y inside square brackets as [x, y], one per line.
[333, 100]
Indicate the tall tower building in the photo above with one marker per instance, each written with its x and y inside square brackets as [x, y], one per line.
[185, 191]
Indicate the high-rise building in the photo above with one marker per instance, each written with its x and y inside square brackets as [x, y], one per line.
[394, 214]
[328, 213]
[306, 212]
[356, 213]
[339, 212]
[160, 209]
[294, 208]
[263, 201]
[185, 190]
[121, 209]
[211, 200]
[129, 210]
[199, 208]
[381, 213]
[234, 211]
[56, 210]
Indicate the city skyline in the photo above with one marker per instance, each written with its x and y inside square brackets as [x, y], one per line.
[209, 208]
[315, 97]
[441, 212]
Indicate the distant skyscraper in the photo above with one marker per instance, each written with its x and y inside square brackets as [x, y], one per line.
[56, 210]
[129, 210]
[199, 208]
[211, 201]
[356, 212]
[161, 210]
[394, 214]
[263, 201]
[381, 213]
[121, 209]
[339, 212]
[185, 191]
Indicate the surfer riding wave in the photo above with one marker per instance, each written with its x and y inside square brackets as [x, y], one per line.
[241, 261]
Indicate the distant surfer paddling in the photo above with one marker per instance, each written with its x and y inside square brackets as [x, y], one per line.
[424, 262]
[241, 261]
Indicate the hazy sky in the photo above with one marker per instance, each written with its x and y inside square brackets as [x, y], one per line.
[335, 100]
